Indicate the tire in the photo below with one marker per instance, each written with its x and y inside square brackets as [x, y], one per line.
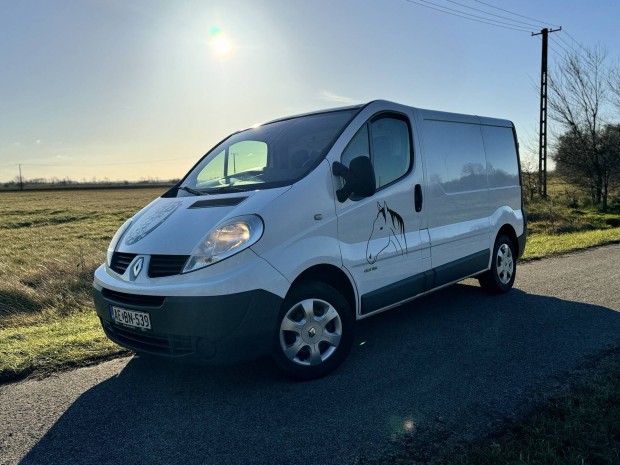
[501, 277]
[314, 332]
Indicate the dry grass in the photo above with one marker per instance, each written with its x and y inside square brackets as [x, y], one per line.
[51, 244]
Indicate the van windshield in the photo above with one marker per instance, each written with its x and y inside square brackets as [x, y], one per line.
[273, 155]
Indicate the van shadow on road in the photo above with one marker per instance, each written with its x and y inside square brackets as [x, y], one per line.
[458, 358]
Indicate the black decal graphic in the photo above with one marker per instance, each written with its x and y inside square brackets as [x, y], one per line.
[385, 233]
[150, 221]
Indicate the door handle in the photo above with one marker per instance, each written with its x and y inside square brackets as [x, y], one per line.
[418, 199]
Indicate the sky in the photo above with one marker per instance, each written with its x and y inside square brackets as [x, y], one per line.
[141, 89]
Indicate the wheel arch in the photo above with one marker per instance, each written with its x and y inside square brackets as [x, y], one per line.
[508, 230]
[334, 277]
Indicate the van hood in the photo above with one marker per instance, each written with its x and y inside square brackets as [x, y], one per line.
[174, 226]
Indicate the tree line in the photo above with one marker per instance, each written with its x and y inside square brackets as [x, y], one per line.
[55, 182]
[585, 102]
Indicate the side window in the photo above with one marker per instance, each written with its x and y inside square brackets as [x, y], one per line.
[455, 155]
[386, 140]
[214, 170]
[358, 147]
[391, 151]
[501, 151]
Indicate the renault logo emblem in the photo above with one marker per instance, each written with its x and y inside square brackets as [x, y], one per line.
[137, 267]
[312, 332]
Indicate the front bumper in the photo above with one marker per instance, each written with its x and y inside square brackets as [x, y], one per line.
[215, 329]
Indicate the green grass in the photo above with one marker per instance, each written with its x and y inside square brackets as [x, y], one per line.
[544, 245]
[73, 340]
[52, 242]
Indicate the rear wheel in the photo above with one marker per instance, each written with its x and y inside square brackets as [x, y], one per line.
[501, 277]
[315, 331]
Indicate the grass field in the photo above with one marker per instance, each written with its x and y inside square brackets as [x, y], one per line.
[51, 244]
[52, 241]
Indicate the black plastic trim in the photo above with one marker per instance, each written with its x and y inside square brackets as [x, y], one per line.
[224, 202]
[461, 268]
[424, 282]
[394, 293]
[133, 299]
[214, 329]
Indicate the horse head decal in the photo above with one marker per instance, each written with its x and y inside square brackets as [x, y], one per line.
[388, 230]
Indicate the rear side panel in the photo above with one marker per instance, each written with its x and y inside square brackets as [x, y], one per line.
[456, 192]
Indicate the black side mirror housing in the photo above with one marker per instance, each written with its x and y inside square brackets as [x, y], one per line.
[359, 178]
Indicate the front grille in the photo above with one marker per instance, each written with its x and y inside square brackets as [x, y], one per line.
[145, 342]
[133, 299]
[160, 265]
[166, 265]
[120, 261]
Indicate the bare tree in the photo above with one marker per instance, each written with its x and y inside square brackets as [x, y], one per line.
[580, 94]
[529, 177]
[614, 85]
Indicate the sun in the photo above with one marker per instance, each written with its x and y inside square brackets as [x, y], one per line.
[222, 46]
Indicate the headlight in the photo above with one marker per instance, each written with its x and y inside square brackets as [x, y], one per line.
[115, 239]
[227, 239]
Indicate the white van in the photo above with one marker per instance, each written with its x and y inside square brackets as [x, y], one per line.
[284, 235]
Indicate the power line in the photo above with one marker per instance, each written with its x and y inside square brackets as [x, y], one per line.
[560, 45]
[494, 21]
[516, 14]
[573, 39]
[568, 45]
[491, 14]
[462, 15]
[554, 50]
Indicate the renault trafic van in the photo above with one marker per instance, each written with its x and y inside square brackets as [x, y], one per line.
[285, 234]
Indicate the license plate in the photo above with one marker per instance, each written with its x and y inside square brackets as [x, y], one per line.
[132, 318]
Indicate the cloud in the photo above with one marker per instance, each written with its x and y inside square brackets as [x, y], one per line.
[328, 96]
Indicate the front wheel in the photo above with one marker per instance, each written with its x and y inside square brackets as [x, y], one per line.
[501, 277]
[315, 331]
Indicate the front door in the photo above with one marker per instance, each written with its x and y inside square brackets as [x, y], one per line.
[382, 246]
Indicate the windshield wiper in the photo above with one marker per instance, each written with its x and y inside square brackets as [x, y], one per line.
[228, 189]
[191, 191]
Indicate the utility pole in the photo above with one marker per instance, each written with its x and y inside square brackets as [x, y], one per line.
[21, 181]
[542, 145]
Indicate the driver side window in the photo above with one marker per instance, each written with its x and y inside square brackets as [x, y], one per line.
[386, 140]
[358, 147]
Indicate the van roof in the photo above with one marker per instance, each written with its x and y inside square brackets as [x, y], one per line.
[422, 113]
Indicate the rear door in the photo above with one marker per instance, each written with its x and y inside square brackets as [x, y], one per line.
[457, 195]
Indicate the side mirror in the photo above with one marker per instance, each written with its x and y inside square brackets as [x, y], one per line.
[359, 178]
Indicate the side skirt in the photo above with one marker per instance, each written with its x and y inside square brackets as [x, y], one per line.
[414, 286]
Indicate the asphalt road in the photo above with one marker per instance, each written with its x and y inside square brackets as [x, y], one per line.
[451, 366]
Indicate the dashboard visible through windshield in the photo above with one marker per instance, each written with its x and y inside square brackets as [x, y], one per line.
[273, 155]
